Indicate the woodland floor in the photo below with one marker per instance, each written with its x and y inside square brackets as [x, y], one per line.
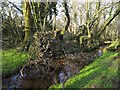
[35, 79]
[81, 64]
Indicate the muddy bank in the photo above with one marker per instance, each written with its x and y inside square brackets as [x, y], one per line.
[21, 82]
[43, 75]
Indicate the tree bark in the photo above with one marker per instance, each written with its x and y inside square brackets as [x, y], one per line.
[27, 21]
[67, 15]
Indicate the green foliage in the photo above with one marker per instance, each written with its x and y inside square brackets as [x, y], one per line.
[114, 45]
[63, 31]
[12, 60]
[83, 38]
[100, 73]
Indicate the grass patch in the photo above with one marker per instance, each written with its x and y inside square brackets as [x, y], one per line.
[12, 60]
[102, 73]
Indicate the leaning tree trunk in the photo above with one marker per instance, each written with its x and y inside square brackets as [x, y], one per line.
[109, 20]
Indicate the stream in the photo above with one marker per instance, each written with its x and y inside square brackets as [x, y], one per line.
[17, 81]
[70, 66]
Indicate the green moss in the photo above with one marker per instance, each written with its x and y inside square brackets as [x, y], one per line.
[12, 60]
[98, 74]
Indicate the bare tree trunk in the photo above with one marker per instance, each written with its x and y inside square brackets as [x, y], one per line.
[67, 15]
[26, 13]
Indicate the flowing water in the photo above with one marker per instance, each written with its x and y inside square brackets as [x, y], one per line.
[70, 67]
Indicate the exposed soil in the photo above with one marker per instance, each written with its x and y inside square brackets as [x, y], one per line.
[37, 75]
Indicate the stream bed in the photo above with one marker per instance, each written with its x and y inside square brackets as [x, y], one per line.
[36, 80]
[17, 81]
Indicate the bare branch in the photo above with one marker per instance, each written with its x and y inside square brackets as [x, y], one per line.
[109, 20]
[95, 18]
[15, 6]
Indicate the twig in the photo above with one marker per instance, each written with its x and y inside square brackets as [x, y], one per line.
[21, 71]
[15, 6]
